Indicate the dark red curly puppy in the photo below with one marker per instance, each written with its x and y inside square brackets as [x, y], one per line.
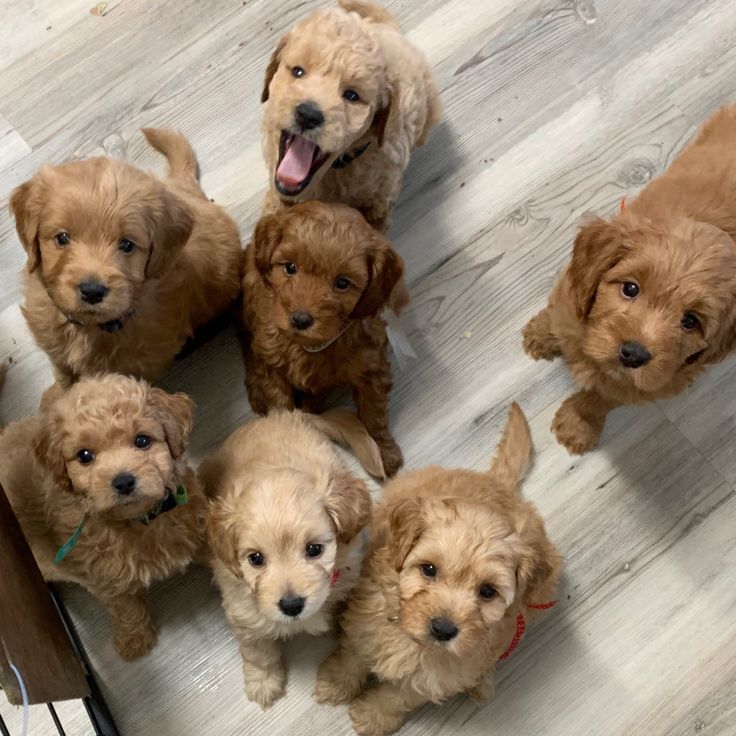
[316, 278]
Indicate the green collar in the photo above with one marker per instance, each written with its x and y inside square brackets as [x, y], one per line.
[170, 501]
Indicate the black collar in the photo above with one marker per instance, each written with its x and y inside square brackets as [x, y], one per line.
[113, 325]
[347, 158]
[170, 501]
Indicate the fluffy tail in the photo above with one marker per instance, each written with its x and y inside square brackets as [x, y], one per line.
[346, 429]
[514, 452]
[179, 154]
[369, 10]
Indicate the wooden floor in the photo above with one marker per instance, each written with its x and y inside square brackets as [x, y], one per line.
[554, 109]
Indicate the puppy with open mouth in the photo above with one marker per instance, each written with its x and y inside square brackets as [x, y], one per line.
[285, 528]
[649, 298]
[346, 99]
[102, 491]
[457, 563]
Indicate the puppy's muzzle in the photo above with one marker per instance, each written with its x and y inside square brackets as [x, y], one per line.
[308, 116]
[124, 483]
[301, 320]
[443, 629]
[92, 292]
[292, 605]
[633, 355]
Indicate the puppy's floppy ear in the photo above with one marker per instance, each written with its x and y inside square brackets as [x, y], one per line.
[597, 248]
[175, 412]
[385, 268]
[273, 65]
[406, 524]
[26, 210]
[266, 238]
[222, 536]
[172, 226]
[47, 448]
[349, 505]
[380, 120]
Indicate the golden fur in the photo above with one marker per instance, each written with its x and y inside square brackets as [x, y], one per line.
[281, 487]
[675, 244]
[184, 268]
[117, 556]
[321, 243]
[356, 46]
[475, 530]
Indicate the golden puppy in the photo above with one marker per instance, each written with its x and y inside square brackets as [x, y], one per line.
[285, 530]
[122, 267]
[649, 298]
[347, 98]
[457, 562]
[316, 278]
[105, 498]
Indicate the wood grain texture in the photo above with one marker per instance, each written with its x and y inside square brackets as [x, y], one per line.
[554, 109]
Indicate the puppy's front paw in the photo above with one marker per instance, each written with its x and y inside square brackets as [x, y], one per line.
[266, 687]
[369, 720]
[132, 644]
[391, 456]
[573, 431]
[539, 342]
[333, 687]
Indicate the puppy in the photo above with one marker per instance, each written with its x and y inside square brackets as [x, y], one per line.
[121, 266]
[649, 298]
[456, 564]
[284, 528]
[347, 98]
[316, 277]
[105, 498]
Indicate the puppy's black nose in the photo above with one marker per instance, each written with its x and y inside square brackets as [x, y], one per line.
[292, 606]
[633, 355]
[124, 483]
[443, 629]
[93, 292]
[308, 116]
[301, 320]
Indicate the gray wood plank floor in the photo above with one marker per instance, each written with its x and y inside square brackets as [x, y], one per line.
[554, 109]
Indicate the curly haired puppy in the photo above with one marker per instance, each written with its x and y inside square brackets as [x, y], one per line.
[123, 267]
[285, 532]
[649, 298]
[316, 277]
[457, 560]
[347, 98]
[103, 465]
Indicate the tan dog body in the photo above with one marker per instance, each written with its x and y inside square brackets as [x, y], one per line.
[117, 556]
[280, 488]
[356, 47]
[346, 342]
[661, 277]
[474, 532]
[183, 269]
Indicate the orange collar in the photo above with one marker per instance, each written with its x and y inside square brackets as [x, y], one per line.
[521, 626]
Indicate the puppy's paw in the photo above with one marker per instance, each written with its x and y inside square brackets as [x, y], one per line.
[369, 720]
[482, 692]
[133, 644]
[391, 456]
[573, 431]
[267, 687]
[333, 687]
[539, 342]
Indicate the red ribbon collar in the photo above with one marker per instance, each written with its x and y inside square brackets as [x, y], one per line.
[521, 626]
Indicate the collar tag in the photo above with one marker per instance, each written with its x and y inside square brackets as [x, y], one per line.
[70, 543]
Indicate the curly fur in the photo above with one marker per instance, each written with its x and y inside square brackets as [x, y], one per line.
[475, 529]
[358, 46]
[323, 242]
[117, 557]
[183, 271]
[675, 241]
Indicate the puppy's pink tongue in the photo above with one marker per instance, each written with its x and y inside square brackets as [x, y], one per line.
[296, 163]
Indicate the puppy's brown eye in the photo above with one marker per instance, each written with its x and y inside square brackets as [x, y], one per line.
[256, 559]
[127, 246]
[314, 550]
[429, 571]
[297, 71]
[689, 321]
[487, 591]
[351, 95]
[142, 441]
[290, 268]
[62, 238]
[629, 290]
[341, 283]
[85, 456]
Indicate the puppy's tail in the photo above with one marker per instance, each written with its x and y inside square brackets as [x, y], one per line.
[179, 154]
[514, 452]
[369, 10]
[346, 429]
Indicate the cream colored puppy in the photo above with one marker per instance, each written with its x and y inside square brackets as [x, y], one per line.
[285, 528]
